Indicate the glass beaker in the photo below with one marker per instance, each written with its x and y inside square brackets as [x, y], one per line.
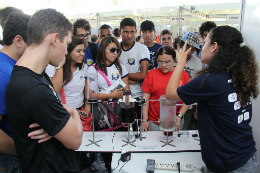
[167, 114]
[92, 87]
[127, 114]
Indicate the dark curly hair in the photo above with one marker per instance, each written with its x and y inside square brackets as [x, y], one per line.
[206, 26]
[81, 23]
[101, 55]
[239, 62]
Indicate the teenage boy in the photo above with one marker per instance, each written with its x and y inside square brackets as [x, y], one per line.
[166, 38]
[204, 30]
[14, 39]
[104, 31]
[3, 17]
[134, 56]
[82, 30]
[147, 31]
[30, 97]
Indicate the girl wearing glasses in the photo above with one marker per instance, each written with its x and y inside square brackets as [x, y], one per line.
[107, 63]
[224, 91]
[154, 86]
[109, 70]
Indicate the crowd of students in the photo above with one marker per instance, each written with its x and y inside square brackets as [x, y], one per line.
[43, 91]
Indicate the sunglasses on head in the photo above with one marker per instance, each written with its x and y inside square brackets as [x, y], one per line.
[113, 49]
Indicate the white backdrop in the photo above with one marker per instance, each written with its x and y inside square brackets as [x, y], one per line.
[250, 28]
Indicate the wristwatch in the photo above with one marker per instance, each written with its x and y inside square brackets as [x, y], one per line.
[180, 115]
[60, 66]
[147, 121]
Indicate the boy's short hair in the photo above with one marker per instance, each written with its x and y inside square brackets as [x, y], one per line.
[116, 32]
[47, 21]
[94, 38]
[81, 23]
[16, 24]
[127, 22]
[165, 31]
[105, 26]
[5, 12]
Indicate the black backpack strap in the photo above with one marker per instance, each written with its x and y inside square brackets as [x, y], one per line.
[93, 50]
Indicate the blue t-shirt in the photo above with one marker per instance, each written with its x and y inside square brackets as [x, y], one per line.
[88, 56]
[153, 58]
[6, 67]
[226, 137]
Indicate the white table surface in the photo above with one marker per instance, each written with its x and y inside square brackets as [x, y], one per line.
[138, 161]
[112, 142]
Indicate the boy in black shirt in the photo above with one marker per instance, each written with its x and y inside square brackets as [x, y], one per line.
[30, 97]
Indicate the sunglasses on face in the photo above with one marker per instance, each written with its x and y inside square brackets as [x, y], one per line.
[164, 39]
[82, 35]
[113, 49]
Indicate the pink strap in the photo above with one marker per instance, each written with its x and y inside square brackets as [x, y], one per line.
[108, 83]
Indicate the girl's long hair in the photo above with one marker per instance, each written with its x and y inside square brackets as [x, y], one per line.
[101, 55]
[67, 73]
[239, 62]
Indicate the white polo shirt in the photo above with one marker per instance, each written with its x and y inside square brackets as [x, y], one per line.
[74, 90]
[132, 59]
[112, 75]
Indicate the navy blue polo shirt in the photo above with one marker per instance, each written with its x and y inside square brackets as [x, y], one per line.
[6, 67]
[152, 62]
[226, 137]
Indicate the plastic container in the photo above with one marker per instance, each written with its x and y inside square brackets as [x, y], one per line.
[167, 114]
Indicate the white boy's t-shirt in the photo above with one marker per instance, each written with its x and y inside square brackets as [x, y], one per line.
[132, 59]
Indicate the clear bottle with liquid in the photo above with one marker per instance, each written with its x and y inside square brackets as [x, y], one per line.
[167, 114]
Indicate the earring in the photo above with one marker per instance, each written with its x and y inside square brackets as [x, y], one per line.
[211, 51]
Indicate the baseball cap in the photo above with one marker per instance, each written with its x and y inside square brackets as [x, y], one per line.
[192, 39]
[147, 25]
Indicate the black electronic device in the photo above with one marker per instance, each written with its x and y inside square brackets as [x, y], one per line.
[125, 157]
[150, 165]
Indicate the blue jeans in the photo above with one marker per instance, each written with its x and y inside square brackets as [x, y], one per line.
[9, 164]
[251, 166]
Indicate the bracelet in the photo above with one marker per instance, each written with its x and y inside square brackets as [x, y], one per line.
[57, 68]
[180, 115]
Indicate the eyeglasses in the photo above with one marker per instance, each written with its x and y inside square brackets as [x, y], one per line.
[166, 62]
[164, 39]
[113, 49]
[82, 35]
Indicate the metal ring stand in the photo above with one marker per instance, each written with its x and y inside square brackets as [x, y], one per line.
[127, 141]
[167, 142]
[93, 141]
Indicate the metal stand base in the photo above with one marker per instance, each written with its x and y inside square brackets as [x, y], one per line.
[127, 141]
[167, 142]
[94, 142]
